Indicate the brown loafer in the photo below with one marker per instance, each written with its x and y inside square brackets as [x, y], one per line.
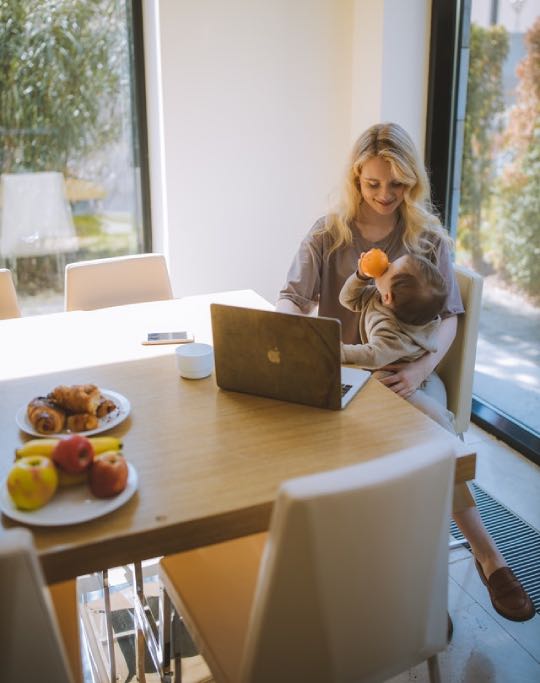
[507, 595]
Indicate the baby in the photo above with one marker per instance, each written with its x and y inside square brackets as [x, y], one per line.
[399, 312]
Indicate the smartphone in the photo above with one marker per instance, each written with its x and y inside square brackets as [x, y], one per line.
[183, 337]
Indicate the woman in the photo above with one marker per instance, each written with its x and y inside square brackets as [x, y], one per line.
[386, 204]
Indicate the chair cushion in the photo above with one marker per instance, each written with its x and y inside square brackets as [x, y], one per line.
[206, 582]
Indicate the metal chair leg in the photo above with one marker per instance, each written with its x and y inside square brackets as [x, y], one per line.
[108, 622]
[176, 630]
[165, 635]
[140, 655]
[157, 640]
[433, 668]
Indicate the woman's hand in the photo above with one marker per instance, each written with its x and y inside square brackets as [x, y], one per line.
[405, 378]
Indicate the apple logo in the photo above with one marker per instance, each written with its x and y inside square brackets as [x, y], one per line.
[274, 355]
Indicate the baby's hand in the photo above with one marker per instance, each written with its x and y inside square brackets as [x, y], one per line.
[360, 271]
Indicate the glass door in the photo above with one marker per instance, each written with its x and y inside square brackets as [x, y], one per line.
[69, 141]
[498, 225]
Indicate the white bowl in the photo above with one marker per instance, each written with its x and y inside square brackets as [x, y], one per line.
[195, 360]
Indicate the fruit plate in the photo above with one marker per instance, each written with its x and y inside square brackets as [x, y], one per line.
[114, 418]
[70, 505]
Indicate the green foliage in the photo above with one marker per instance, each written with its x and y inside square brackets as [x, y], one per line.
[518, 200]
[519, 223]
[60, 66]
[88, 225]
[488, 50]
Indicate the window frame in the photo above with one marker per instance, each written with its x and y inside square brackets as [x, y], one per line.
[141, 159]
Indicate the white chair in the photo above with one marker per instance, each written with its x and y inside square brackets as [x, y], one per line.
[116, 281]
[457, 367]
[36, 215]
[350, 583]
[39, 633]
[9, 308]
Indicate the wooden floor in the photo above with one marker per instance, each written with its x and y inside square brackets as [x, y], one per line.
[485, 647]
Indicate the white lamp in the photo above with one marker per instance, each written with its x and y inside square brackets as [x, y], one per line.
[36, 216]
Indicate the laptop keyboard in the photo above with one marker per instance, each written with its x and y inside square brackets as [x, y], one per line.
[345, 388]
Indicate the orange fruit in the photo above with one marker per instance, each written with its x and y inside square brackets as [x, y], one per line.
[374, 262]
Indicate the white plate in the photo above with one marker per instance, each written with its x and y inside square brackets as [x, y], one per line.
[114, 418]
[70, 505]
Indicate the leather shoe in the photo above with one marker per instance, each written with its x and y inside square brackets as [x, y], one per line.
[507, 595]
[450, 631]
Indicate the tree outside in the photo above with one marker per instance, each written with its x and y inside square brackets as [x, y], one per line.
[488, 50]
[518, 199]
[499, 221]
[498, 232]
[65, 107]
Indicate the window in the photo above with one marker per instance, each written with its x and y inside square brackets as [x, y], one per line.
[483, 150]
[73, 146]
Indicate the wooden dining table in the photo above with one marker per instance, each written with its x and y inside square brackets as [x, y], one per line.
[209, 462]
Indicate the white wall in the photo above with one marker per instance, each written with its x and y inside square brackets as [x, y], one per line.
[260, 101]
[391, 65]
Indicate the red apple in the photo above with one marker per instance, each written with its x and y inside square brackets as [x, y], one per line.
[108, 475]
[73, 454]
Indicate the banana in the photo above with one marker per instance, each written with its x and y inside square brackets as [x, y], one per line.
[36, 447]
[46, 446]
[105, 443]
[66, 479]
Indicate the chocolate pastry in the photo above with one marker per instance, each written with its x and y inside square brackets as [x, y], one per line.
[45, 416]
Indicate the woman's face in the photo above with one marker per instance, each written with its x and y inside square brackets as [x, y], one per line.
[380, 189]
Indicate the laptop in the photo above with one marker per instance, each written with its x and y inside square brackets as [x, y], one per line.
[283, 356]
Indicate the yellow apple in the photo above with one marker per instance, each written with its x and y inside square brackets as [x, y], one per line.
[32, 482]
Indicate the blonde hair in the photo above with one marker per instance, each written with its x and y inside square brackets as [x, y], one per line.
[390, 142]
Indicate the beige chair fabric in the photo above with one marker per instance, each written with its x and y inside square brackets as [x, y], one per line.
[457, 367]
[116, 281]
[350, 584]
[31, 624]
[9, 308]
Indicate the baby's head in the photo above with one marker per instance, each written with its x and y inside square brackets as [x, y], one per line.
[413, 288]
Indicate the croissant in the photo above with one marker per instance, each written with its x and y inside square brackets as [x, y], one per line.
[81, 422]
[79, 398]
[105, 407]
[44, 416]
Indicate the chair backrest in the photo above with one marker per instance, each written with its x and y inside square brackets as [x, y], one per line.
[9, 308]
[36, 215]
[116, 281]
[457, 367]
[32, 647]
[353, 581]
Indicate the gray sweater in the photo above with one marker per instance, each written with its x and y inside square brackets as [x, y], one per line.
[316, 276]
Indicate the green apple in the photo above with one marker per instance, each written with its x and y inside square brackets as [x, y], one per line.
[32, 482]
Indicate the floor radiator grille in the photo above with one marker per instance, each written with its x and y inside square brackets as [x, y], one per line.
[518, 541]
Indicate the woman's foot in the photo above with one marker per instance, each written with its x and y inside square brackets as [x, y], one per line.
[507, 595]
